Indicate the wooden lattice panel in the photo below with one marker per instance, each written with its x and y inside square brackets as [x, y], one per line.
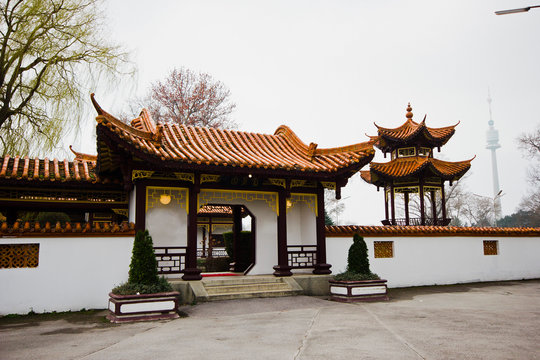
[491, 247]
[384, 249]
[19, 256]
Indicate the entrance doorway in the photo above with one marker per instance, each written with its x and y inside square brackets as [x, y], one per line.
[226, 239]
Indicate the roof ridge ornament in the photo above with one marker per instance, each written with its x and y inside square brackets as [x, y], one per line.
[409, 113]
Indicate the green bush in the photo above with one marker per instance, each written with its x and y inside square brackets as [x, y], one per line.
[244, 244]
[143, 267]
[52, 218]
[220, 264]
[143, 275]
[229, 243]
[357, 263]
[357, 260]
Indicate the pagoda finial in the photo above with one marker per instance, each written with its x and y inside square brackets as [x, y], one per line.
[409, 114]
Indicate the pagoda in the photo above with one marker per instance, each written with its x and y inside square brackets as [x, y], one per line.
[413, 171]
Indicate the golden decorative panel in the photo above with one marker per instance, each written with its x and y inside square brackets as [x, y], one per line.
[209, 178]
[185, 176]
[491, 247]
[384, 249]
[298, 183]
[141, 174]
[216, 196]
[329, 185]
[309, 199]
[123, 212]
[278, 182]
[19, 256]
[178, 196]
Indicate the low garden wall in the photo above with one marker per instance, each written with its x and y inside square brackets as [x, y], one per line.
[46, 270]
[426, 255]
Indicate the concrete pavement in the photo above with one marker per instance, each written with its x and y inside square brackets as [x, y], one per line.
[471, 321]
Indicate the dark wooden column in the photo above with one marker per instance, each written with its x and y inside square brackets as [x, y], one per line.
[386, 204]
[237, 228]
[406, 194]
[11, 216]
[443, 204]
[422, 210]
[433, 207]
[282, 268]
[140, 206]
[392, 205]
[321, 267]
[191, 272]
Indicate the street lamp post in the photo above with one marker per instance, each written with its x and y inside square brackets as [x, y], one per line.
[515, 11]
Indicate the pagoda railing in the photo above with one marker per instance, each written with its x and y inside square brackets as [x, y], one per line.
[302, 256]
[417, 221]
[217, 252]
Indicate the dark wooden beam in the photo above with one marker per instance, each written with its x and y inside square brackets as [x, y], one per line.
[433, 208]
[321, 267]
[140, 206]
[191, 272]
[422, 209]
[406, 195]
[392, 205]
[282, 268]
[443, 202]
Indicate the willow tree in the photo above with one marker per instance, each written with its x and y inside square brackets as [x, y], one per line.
[50, 53]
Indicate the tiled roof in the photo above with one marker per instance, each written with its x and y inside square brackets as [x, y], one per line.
[410, 130]
[67, 229]
[23, 168]
[400, 231]
[407, 166]
[210, 146]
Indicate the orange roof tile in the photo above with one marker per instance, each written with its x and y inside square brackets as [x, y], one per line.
[409, 131]
[400, 231]
[82, 168]
[67, 229]
[407, 166]
[210, 146]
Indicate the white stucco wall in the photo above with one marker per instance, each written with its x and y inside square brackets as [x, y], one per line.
[444, 260]
[301, 225]
[73, 273]
[167, 224]
[132, 203]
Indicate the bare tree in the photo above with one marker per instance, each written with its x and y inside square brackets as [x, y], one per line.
[333, 207]
[190, 98]
[49, 49]
[529, 143]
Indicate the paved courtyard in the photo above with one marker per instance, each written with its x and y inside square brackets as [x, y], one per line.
[472, 321]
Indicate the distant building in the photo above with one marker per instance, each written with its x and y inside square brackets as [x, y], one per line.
[492, 136]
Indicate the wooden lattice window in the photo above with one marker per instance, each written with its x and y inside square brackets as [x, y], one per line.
[384, 249]
[491, 247]
[19, 256]
[406, 152]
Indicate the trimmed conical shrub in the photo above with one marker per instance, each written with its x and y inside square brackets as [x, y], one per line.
[143, 267]
[357, 260]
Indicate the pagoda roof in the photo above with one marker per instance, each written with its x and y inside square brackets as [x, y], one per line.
[181, 146]
[380, 173]
[411, 132]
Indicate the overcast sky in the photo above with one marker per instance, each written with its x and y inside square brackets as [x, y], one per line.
[330, 69]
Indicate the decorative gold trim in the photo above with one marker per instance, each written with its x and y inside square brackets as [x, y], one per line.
[432, 188]
[179, 196]
[209, 178]
[225, 227]
[406, 189]
[278, 182]
[328, 185]
[123, 212]
[298, 183]
[185, 176]
[309, 199]
[207, 196]
[141, 174]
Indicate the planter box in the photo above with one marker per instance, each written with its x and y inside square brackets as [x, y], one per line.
[354, 291]
[144, 307]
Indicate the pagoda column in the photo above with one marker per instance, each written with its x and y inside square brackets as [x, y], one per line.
[321, 267]
[190, 271]
[443, 204]
[282, 268]
[406, 194]
[433, 207]
[422, 209]
[386, 205]
[392, 205]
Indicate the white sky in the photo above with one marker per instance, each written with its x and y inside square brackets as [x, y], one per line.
[329, 69]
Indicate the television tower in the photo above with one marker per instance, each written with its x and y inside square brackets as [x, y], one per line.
[493, 145]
